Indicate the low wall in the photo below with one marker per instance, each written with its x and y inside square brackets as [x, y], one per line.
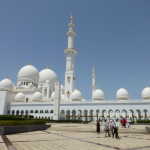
[5, 130]
[147, 129]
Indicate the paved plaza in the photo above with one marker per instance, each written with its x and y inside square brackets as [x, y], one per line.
[69, 136]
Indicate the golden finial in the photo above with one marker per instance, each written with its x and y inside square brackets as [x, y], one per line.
[71, 18]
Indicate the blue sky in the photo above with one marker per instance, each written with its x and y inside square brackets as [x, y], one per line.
[112, 35]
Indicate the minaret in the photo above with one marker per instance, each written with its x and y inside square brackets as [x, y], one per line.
[93, 81]
[70, 55]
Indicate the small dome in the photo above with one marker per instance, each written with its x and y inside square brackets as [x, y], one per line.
[98, 95]
[28, 73]
[47, 74]
[146, 93]
[37, 96]
[62, 97]
[53, 96]
[20, 97]
[76, 95]
[6, 84]
[122, 94]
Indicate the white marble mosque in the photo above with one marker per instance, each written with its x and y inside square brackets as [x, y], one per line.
[35, 94]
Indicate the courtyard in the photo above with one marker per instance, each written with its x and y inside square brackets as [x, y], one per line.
[68, 136]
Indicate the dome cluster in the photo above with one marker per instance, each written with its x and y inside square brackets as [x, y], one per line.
[121, 94]
[29, 76]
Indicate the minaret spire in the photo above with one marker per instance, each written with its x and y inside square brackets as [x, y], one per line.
[70, 58]
[71, 18]
[71, 34]
[93, 81]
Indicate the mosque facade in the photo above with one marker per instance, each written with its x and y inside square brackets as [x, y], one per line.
[35, 94]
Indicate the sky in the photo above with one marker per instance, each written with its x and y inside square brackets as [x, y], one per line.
[112, 35]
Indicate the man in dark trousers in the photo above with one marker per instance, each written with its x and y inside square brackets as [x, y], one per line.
[116, 128]
[98, 127]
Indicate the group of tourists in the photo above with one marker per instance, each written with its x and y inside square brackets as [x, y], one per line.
[111, 128]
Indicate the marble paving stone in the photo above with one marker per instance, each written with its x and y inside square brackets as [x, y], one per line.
[79, 137]
[2, 146]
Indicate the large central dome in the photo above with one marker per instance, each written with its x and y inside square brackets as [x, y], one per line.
[47, 74]
[28, 72]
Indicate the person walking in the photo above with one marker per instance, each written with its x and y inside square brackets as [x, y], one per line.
[111, 125]
[128, 122]
[116, 128]
[98, 127]
[124, 123]
[107, 129]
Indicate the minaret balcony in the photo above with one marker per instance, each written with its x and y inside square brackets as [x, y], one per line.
[71, 33]
[67, 50]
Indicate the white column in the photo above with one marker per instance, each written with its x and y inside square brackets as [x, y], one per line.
[93, 81]
[94, 116]
[57, 102]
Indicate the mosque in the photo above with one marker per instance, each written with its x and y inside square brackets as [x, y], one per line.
[35, 92]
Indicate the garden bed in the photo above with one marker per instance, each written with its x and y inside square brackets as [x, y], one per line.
[10, 124]
[5, 130]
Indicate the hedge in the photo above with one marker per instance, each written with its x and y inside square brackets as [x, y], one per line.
[143, 121]
[20, 122]
[67, 121]
[11, 117]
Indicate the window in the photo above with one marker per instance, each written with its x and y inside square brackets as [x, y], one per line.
[45, 92]
[41, 111]
[31, 111]
[36, 111]
[27, 99]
